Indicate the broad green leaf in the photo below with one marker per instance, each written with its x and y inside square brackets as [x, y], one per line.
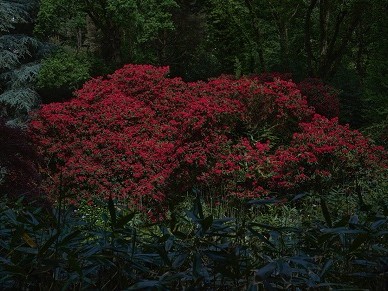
[326, 267]
[168, 244]
[326, 213]
[48, 243]
[179, 261]
[112, 211]
[206, 223]
[69, 237]
[122, 221]
[145, 285]
[266, 271]
[31, 242]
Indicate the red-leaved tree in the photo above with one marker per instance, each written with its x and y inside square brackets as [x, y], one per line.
[321, 96]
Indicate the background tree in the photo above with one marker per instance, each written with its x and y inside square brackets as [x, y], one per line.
[372, 64]
[188, 48]
[237, 32]
[330, 27]
[117, 31]
[338, 41]
[284, 13]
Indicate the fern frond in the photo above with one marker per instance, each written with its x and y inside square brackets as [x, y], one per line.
[18, 122]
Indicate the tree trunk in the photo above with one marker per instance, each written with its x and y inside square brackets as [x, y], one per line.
[257, 35]
[307, 33]
[111, 44]
[284, 47]
[324, 19]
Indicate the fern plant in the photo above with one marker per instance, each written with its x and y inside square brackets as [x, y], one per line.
[19, 59]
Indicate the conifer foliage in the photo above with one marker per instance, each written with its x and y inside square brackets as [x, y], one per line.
[19, 54]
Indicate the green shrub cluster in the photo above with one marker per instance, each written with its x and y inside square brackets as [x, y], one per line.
[64, 69]
[61, 74]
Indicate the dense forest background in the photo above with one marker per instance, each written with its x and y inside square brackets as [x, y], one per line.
[340, 42]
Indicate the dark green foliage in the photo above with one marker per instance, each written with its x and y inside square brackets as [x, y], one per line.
[342, 42]
[14, 12]
[58, 250]
[375, 95]
[116, 31]
[62, 19]
[195, 251]
[19, 54]
[188, 49]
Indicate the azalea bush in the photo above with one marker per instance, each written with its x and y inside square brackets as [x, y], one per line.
[324, 154]
[145, 139]
[323, 97]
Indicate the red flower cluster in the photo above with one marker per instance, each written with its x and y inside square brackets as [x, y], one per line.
[144, 138]
[323, 97]
[325, 154]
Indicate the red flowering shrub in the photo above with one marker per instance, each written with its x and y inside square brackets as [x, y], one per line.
[243, 170]
[325, 154]
[141, 137]
[322, 97]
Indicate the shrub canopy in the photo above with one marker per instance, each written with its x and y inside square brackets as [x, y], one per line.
[143, 138]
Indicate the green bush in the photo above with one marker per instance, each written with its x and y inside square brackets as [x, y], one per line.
[61, 74]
